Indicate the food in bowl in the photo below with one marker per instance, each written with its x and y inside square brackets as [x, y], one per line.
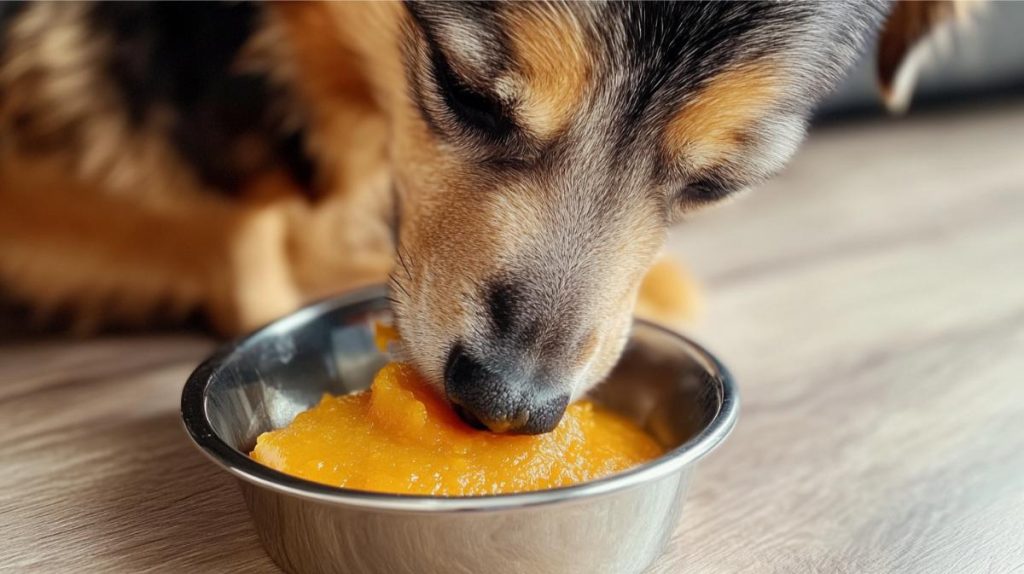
[400, 437]
[615, 525]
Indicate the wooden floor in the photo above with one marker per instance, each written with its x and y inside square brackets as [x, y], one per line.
[870, 301]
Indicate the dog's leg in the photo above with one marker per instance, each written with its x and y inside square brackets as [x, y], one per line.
[107, 259]
[341, 242]
[256, 284]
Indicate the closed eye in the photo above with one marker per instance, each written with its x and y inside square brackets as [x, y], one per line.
[474, 109]
[705, 190]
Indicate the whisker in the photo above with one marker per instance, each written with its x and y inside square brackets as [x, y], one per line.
[401, 259]
[398, 284]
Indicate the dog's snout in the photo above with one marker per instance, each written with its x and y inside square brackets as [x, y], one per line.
[503, 306]
[522, 319]
[484, 396]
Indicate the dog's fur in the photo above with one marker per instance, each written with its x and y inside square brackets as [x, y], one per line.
[522, 160]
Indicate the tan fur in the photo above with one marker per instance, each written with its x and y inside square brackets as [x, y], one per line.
[549, 41]
[342, 240]
[109, 225]
[443, 217]
[707, 130]
[452, 214]
[432, 182]
[348, 134]
[114, 244]
[53, 94]
[668, 295]
[65, 244]
[247, 260]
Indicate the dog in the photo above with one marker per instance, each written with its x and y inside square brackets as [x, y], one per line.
[511, 168]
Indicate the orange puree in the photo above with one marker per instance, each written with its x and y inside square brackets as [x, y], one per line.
[400, 437]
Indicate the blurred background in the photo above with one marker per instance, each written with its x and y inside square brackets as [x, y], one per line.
[985, 61]
[870, 300]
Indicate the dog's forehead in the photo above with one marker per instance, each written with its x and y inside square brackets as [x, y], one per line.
[646, 56]
[720, 88]
[472, 34]
[668, 44]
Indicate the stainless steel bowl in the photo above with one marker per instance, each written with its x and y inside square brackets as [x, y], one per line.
[619, 524]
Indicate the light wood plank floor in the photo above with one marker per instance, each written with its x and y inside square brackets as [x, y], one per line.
[870, 301]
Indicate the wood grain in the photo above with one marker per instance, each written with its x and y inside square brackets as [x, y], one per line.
[870, 301]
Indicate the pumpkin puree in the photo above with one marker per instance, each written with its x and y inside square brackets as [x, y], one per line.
[401, 437]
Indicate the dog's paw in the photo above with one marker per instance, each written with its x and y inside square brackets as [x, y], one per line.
[254, 284]
[668, 295]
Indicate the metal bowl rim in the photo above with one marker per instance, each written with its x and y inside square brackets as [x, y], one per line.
[197, 424]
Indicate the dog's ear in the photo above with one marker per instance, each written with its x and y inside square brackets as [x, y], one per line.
[908, 41]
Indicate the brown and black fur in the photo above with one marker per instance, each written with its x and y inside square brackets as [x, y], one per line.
[521, 162]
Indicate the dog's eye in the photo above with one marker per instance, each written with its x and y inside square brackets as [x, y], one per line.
[705, 190]
[477, 110]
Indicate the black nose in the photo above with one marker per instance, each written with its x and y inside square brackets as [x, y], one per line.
[484, 396]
